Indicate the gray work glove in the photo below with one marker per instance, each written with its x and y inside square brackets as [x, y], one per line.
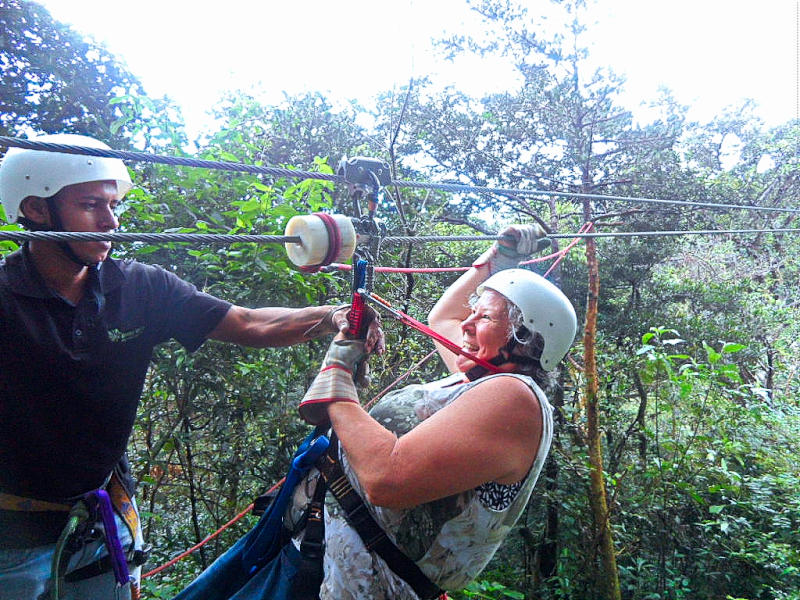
[527, 240]
[334, 382]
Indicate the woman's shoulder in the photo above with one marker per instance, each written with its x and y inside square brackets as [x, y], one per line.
[514, 388]
[511, 381]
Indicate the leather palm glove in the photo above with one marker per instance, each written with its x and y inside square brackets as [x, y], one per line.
[334, 382]
[527, 240]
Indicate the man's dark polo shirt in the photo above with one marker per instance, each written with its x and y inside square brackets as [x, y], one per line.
[71, 376]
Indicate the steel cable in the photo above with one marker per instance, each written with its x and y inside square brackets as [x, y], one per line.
[211, 238]
[297, 174]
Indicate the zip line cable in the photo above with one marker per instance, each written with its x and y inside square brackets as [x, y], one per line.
[297, 174]
[93, 236]
[86, 236]
[284, 239]
[455, 187]
[165, 160]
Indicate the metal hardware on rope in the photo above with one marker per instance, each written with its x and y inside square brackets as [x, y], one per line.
[365, 178]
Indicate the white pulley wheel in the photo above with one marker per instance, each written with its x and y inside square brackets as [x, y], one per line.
[323, 239]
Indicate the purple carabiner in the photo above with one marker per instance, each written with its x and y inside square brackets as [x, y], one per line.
[113, 545]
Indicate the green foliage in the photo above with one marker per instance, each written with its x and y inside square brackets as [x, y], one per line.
[54, 79]
[701, 427]
[488, 590]
[709, 476]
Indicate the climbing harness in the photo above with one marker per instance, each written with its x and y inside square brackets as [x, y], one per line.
[83, 515]
[266, 540]
[84, 512]
[22, 504]
[254, 567]
[372, 534]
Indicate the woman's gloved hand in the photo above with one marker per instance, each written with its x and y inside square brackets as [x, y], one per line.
[525, 240]
[334, 382]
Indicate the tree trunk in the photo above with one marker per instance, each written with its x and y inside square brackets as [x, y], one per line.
[608, 576]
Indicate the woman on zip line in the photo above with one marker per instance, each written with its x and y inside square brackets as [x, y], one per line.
[446, 468]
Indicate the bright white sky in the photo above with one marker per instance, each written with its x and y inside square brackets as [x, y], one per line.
[711, 53]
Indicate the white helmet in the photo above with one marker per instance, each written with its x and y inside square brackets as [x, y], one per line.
[42, 173]
[545, 309]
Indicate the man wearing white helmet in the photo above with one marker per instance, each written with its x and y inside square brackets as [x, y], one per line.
[77, 330]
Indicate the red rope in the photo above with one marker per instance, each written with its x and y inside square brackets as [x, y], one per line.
[559, 256]
[585, 228]
[450, 345]
[200, 544]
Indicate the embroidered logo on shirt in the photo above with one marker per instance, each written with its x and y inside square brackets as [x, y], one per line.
[115, 335]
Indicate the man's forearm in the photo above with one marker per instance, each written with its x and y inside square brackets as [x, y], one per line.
[274, 326]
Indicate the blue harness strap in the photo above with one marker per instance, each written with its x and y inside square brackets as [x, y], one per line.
[265, 540]
[238, 573]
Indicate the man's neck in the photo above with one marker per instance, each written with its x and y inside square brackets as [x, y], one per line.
[64, 276]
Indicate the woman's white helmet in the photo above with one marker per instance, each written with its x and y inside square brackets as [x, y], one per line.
[545, 309]
[42, 173]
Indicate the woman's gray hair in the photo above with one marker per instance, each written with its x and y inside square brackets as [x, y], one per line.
[528, 343]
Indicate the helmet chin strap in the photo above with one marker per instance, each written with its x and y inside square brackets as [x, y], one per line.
[506, 355]
[479, 371]
[57, 226]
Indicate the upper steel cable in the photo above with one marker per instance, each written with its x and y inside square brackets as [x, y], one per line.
[455, 187]
[296, 174]
[165, 160]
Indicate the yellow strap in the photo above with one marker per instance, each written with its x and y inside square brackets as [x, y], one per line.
[123, 504]
[19, 503]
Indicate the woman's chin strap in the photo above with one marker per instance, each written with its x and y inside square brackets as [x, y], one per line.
[506, 356]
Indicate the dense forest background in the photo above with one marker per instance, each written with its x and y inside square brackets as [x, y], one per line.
[676, 467]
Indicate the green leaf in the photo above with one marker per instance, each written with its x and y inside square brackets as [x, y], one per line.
[730, 348]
